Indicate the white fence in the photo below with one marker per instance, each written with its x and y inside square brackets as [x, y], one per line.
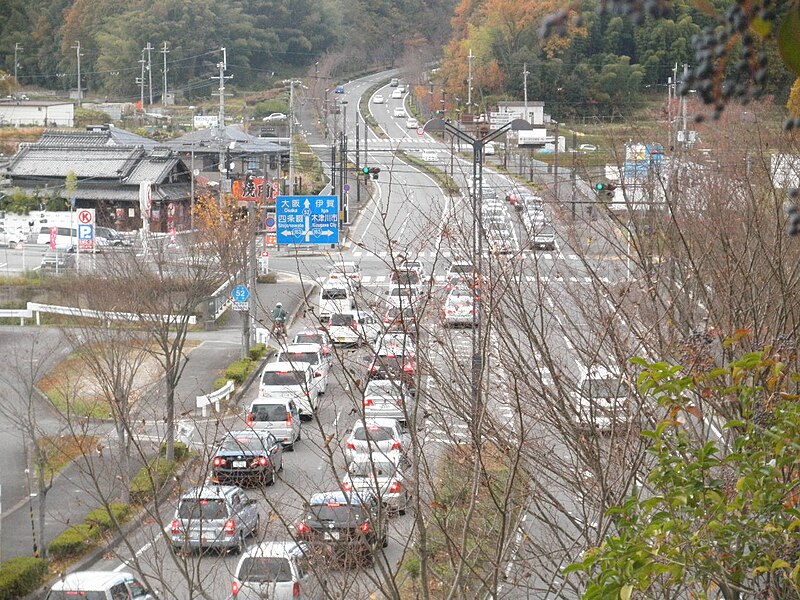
[215, 397]
[35, 309]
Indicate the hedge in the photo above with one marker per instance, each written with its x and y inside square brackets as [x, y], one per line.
[239, 370]
[73, 541]
[258, 352]
[150, 479]
[101, 517]
[21, 576]
[179, 449]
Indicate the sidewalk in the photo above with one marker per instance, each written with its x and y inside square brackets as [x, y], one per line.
[75, 489]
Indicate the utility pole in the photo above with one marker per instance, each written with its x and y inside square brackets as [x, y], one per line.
[223, 166]
[358, 163]
[291, 83]
[77, 47]
[469, 81]
[555, 164]
[574, 169]
[164, 51]
[148, 48]
[683, 107]
[525, 74]
[17, 49]
[140, 81]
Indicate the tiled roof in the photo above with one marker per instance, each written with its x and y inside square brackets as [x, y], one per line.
[107, 162]
[152, 169]
[213, 139]
[111, 136]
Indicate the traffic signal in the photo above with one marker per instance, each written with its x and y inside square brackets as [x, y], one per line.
[605, 189]
[374, 171]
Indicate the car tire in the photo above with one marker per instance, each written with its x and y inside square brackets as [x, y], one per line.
[240, 547]
[384, 541]
[299, 437]
[290, 447]
[257, 528]
[271, 479]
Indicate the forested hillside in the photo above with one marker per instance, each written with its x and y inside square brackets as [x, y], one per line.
[601, 66]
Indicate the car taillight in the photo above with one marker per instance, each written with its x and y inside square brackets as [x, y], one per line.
[235, 588]
[449, 311]
[364, 527]
[296, 590]
[219, 462]
[373, 367]
[368, 402]
[351, 446]
[249, 419]
[346, 486]
[302, 528]
[394, 487]
[326, 351]
[288, 419]
[317, 373]
[176, 527]
[230, 527]
[408, 367]
[354, 326]
[262, 461]
[396, 446]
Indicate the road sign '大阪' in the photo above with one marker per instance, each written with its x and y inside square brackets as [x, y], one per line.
[307, 219]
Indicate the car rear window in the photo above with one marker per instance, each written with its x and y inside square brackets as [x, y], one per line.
[308, 338]
[342, 320]
[461, 268]
[205, 509]
[293, 357]
[334, 294]
[340, 513]
[374, 433]
[405, 277]
[248, 443]
[261, 569]
[268, 412]
[283, 378]
[365, 469]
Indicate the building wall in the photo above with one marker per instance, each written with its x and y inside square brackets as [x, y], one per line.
[535, 114]
[54, 115]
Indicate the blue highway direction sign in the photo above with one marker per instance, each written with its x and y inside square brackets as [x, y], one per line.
[307, 219]
[240, 293]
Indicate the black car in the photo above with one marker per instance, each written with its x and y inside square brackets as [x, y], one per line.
[349, 526]
[247, 457]
[394, 358]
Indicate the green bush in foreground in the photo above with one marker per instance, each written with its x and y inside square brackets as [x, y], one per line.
[21, 576]
[180, 450]
[239, 370]
[258, 352]
[101, 517]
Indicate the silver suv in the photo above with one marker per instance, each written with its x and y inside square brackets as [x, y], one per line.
[214, 516]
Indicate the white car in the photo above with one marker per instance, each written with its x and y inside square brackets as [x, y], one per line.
[602, 399]
[381, 477]
[312, 354]
[430, 156]
[379, 438]
[277, 570]
[412, 123]
[377, 99]
[414, 265]
[353, 328]
[458, 310]
[275, 117]
[403, 295]
[397, 94]
[399, 112]
[387, 398]
[348, 271]
[11, 238]
[293, 380]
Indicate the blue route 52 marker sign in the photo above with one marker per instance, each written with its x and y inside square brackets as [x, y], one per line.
[240, 293]
[307, 219]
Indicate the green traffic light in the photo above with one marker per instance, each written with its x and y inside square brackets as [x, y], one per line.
[599, 187]
[365, 170]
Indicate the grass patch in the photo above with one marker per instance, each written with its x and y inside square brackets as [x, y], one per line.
[60, 451]
[363, 105]
[492, 520]
[309, 167]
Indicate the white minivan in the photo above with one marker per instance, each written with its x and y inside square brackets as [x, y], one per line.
[275, 570]
[334, 298]
[99, 585]
[310, 353]
[294, 380]
[66, 237]
[278, 416]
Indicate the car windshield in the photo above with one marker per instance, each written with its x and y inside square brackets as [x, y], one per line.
[461, 268]
[205, 509]
[283, 378]
[268, 412]
[260, 569]
[293, 357]
[400, 291]
[334, 294]
[602, 388]
[405, 277]
[243, 443]
[375, 433]
[365, 468]
[342, 320]
[309, 338]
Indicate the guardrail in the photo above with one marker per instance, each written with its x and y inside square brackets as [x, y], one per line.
[215, 397]
[35, 310]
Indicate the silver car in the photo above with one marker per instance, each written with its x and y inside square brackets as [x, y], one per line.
[377, 438]
[388, 399]
[383, 478]
[275, 570]
[214, 516]
[312, 354]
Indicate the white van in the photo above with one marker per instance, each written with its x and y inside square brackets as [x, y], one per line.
[294, 380]
[334, 297]
[66, 237]
[99, 585]
[276, 570]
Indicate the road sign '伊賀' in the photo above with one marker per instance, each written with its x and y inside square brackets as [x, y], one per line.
[307, 219]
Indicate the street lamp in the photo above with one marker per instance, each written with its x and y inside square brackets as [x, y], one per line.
[478, 144]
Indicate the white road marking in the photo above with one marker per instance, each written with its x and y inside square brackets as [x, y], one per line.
[137, 554]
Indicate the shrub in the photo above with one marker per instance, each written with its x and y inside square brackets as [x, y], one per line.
[21, 576]
[101, 517]
[180, 450]
[73, 541]
[150, 479]
[219, 382]
[239, 370]
[258, 351]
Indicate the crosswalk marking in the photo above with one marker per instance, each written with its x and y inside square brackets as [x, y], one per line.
[440, 279]
[434, 254]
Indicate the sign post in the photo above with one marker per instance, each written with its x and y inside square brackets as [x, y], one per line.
[85, 233]
[307, 220]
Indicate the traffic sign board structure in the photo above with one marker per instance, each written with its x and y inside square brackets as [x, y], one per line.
[346, 187]
[240, 293]
[307, 219]
[85, 216]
